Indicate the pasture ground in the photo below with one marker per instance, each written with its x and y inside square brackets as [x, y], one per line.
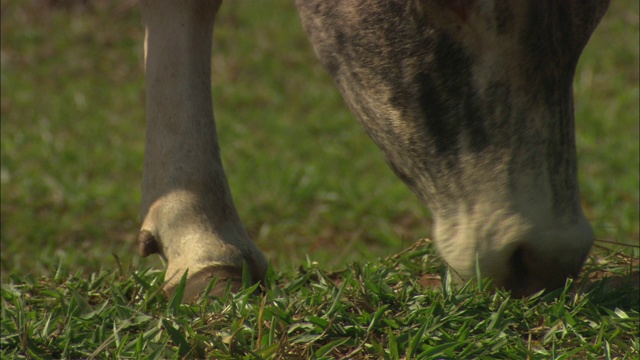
[313, 191]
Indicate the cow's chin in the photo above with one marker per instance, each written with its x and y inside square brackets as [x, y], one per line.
[519, 254]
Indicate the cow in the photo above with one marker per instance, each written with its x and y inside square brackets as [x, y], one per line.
[471, 102]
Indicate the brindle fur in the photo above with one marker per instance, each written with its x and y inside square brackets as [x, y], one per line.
[471, 102]
[466, 99]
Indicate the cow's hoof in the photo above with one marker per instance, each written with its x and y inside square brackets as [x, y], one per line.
[199, 281]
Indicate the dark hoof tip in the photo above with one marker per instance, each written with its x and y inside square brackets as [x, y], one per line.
[147, 244]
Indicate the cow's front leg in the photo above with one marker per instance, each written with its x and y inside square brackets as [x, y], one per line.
[187, 210]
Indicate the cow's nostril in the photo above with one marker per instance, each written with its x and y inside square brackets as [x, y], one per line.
[530, 272]
[518, 263]
[519, 278]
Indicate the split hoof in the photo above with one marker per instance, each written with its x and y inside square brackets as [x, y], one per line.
[198, 282]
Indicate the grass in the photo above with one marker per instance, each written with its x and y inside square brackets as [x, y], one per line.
[310, 187]
[375, 310]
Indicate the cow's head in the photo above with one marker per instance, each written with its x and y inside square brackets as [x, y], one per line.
[472, 103]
